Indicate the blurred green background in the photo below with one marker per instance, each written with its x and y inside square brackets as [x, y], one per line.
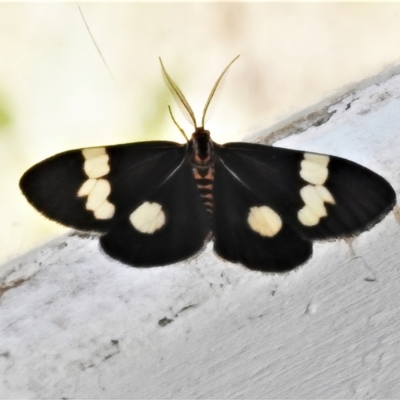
[56, 92]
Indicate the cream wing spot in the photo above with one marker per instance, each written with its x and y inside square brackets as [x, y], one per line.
[105, 210]
[325, 194]
[98, 195]
[313, 201]
[97, 167]
[148, 218]
[313, 173]
[97, 190]
[319, 159]
[307, 217]
[314, 170]
[86, 188]
[264, 221]
[93, 152]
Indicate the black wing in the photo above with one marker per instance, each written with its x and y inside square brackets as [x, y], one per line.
[142, 195]
[300, 195]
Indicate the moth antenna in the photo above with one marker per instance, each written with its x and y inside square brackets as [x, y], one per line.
[178, 95]
[177, 125]
[211, 95]
[94, 41]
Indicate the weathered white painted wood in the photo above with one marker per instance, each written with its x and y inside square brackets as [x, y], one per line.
[76, 324]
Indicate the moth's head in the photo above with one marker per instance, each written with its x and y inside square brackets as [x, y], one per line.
[201, 133]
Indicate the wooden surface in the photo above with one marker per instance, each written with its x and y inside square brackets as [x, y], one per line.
[76, 324]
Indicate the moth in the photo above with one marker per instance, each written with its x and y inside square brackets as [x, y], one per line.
[159, 202]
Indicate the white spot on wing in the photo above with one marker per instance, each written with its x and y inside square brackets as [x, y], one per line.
[307, 217]
[314, 198]
[105, 210]
[87, 187]
[314, 170]
[98, 195]
[313, 201]
[148, 218]
[325, 194]
[97, 190]
[93, 152]
[264, 221]
[313, 173]
[319, 159]
[97, 167]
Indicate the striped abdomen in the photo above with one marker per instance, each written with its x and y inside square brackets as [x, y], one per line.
[204, 176]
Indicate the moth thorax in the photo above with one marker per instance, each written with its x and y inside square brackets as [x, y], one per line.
[202, 148]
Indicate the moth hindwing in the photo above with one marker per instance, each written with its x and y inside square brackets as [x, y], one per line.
[159, 202]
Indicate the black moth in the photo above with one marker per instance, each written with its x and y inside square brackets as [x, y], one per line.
[159, 202]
